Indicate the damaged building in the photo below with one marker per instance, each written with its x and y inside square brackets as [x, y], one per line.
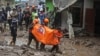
[85, 14]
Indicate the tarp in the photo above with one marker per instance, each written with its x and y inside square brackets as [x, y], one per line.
[46, 35]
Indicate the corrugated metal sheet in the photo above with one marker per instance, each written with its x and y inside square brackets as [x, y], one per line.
[62, 4]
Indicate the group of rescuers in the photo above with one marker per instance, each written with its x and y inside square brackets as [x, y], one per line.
[31, 18]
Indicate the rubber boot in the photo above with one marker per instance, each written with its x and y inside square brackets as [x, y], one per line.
[57, 50]
[42, 47]
[11, 42]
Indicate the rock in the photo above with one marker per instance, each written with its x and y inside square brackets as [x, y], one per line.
[24, 55]
[1, 49]
[58, 55]
[52, 55]
[37, 54]
[3, 42]
[17, 47]
[63, 52]
[77, 42]
[6, 34]
[83, 42]
[89, 44]
[19, 52]
[11, 54]
[31, 52]
[24, 47]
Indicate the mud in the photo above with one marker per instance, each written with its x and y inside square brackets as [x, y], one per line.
[80, 46]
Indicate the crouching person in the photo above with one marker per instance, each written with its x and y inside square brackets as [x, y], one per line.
[13, 31]
[31, 36]
[59, 35]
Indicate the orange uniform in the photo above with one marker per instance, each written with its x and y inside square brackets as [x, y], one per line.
[58, 33]
[35, 21]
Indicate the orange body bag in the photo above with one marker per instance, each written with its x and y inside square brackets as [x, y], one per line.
[46, 35]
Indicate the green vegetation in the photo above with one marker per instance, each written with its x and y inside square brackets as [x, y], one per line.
[50, 5]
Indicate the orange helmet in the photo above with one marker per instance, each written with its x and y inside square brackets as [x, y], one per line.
[35, 21]
[46, 20]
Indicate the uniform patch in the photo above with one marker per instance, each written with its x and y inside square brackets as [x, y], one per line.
[41, 30]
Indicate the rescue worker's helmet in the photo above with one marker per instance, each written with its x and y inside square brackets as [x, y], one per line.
[46, 20]
[36, 21]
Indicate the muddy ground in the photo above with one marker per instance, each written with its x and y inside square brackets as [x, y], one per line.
[80, 46]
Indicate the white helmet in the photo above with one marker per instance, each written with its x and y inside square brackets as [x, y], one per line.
[41, 9]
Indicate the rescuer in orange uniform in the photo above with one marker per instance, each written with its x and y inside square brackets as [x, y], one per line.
[59, 35]
[45, 21]
[31, 36]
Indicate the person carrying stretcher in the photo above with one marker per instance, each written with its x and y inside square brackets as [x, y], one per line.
[58, 34]
[45, 21]
[31, 36]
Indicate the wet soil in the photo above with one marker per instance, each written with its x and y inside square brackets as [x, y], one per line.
[80, 46]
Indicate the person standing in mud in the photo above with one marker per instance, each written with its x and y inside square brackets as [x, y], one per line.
[4, 17]
[13, 26]
[8, 12]
[39, 7]
[34, 13]
[26, 4]
[20, 18]
[26, 16]
[8, 7]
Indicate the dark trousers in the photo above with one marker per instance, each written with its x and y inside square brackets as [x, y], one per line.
[14, 33]
[42, 46]
[14, 39]
[5, 22]
[55, 47]
[31, 36]
[20, 24]
[26, 22]
[9, 22]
